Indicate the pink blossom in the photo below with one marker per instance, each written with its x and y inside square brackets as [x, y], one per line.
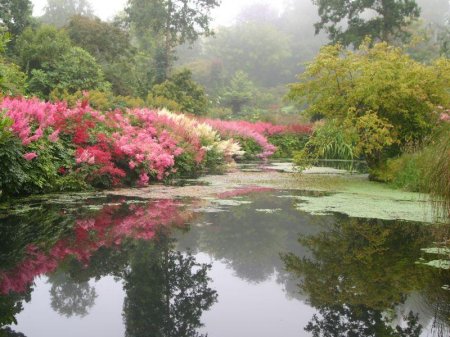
[54, 136]
[143, 179]
[30, 156]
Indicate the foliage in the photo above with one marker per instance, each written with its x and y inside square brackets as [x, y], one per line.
[170, 23]
[288, 144]
[239, 92]
[327, 142]
[72, 71]
[438, 174]
[181, 89]
[429, 42]
[59, 12]
[102, 100]
[161, 102]
[12, 80]
[15, 15]
[348, 22]
[111, 46]
[425, 169]
[38, 48]
[378, 95]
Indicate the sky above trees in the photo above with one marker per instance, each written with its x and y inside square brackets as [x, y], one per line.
[224, 15]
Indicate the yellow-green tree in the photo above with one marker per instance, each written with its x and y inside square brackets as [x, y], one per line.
[379, 98]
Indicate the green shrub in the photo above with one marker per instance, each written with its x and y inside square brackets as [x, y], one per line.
[288, 144]
[251, 147]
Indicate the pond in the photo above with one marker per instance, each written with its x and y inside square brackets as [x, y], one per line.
[231, 259]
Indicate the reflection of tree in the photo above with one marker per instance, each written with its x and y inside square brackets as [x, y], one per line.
[11, 304]
[166, 292]
[8, 332]
[359, 321]
[69, 297]
[360, 270]
[250, 241]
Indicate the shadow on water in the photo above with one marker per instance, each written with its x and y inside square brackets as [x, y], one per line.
[361, 277]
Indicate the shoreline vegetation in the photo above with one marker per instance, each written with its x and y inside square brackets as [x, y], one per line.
[49, 147]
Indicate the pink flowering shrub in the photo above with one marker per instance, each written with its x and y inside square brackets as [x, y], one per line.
[61, 148]
[258, 132]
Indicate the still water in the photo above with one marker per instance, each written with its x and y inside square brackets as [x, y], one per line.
[249, 263]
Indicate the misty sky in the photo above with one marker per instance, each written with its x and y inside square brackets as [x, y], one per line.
[224, 15]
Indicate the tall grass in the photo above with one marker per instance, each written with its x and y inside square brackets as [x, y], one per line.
[437, 174]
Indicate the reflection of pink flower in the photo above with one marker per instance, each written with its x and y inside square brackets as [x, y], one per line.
[107, 228]
[30, 156]
[243, 191]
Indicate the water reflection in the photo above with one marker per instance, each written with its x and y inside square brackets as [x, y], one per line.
[362, 271]
[250, 241]
[69, 297]
[166, 290]
[360, 277]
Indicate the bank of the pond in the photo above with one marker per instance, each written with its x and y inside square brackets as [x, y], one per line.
[49, 147]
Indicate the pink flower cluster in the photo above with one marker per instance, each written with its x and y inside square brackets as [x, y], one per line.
[107, 229]
[134, 147]
[256, 131]
[32, 119]
[102, 142]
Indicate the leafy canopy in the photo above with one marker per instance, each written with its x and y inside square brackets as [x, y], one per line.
[15, 15]
[165, 24]
[380, 96]
[182, 90]
[59, 12]
[350, 21]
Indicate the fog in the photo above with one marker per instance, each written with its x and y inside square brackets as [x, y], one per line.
[224, 15]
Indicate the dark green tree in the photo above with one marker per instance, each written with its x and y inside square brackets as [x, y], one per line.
[168, 24]
[350, 21]
[74, 70]
[181, 89]
[111, 46]
[38, 47]
[239, 92]
[15, 15]
[12, 80]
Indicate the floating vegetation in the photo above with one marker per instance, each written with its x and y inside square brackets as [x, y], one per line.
[437, 250]
[269, 211]
[440, 264]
